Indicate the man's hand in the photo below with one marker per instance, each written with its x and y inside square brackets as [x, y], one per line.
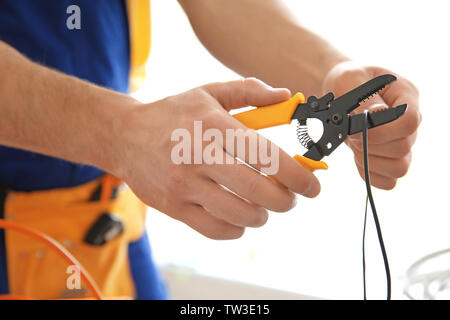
[263, 39]
[389, 145]
[217, 200]
[74, 120]
[71, 119]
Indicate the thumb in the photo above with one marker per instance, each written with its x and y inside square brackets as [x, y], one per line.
[246, 92]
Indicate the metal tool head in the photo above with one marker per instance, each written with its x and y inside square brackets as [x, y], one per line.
[376, 118]
[352, 99]
[336, 119]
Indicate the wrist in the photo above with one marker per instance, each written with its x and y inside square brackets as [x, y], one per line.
[108, 152]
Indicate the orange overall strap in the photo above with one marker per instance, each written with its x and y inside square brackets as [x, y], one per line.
[139, 16]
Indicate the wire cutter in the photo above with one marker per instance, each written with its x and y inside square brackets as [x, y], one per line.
[333, 113]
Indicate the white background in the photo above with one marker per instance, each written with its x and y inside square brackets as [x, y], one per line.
[315, 249]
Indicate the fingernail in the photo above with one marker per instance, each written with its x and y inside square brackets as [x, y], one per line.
[378, 106]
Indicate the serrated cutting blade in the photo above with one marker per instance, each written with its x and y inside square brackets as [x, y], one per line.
[352, 99]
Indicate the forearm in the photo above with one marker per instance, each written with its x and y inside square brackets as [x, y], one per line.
[54, 114]
[262, 39]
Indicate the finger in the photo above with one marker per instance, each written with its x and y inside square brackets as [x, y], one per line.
[202, 221]
[268, 158]
[228, 207]
[252, 186]
[246, 92]
[378, 181]
[393, 149]
[392, 168]
[283, 167]
[263, 155]
[375, 103]
[395, 90]
[400, 92]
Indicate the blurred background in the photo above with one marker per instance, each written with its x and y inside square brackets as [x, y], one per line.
[316, 248]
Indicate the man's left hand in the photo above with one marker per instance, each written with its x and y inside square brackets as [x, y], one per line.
[389, 145]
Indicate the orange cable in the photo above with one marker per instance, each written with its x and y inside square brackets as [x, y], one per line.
[107, 185]
[50, 242]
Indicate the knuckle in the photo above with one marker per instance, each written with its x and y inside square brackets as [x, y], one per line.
[287, 203]
[412, 86]
[212, 118]
[358, 158]
[212, 235]
[202, 98]
[387, 185]
[201, 93]
[221, 230]
[259, 218]
[304, 187]
[253, 185]
[403, 148]
[177, 183]
[251, 82]
[228, 233]
[391, 184]
[412, 122]
[302, 181]
[403, 166]
[235, 217]
[248, 216]
[350, 75]
[356, 146]
[237, 233]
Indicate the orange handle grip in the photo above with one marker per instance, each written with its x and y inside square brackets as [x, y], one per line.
[271, 116]
[310, 164]
[275, 115]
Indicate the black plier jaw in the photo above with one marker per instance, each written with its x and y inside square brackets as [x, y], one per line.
[335, 126]
[336, 119]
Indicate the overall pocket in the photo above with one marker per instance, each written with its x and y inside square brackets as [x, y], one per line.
[66, 215]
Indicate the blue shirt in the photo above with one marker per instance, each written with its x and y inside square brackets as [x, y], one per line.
[99, 53]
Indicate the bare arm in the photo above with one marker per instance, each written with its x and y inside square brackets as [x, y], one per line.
[262, 39]
[45, 111]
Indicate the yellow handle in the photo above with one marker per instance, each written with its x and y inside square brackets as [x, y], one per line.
[275, 115]
[271, 116]
[310, 164]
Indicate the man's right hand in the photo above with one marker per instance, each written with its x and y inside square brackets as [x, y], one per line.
[71, 119]
[217, 200]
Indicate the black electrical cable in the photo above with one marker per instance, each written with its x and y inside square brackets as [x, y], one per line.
[374, 214]
[364, 248]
